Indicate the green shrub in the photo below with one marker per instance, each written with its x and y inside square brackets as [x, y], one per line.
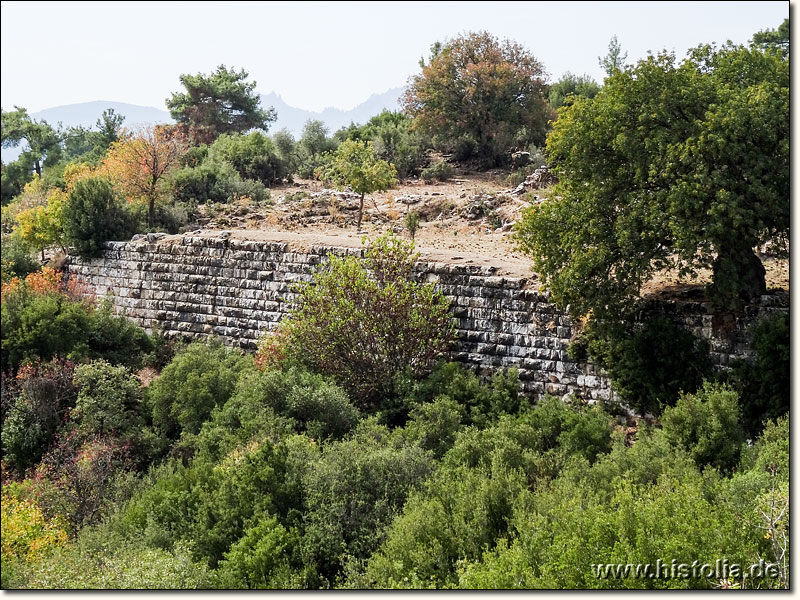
[483, 403]
[262, 558]
[706, 424]
[468, 505]
[109, 400]
[649, 364]
[44, 394]
[412, 223]
[315, 405]
[434, 425]
[17, 258]
[92, 215]
[115, 338]
[254, 156]
[441, 171]
[207, 182]
[248, 188]
[353, 492]
[393, 140]
[763, 384]
[44, 325]
[199, 378]
[565, 529]
[100, 561]
[368, 321]
[463, 148]
[209, 504]
[41, 326]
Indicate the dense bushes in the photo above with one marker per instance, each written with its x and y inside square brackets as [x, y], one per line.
[367, 322]
[393, 139]
[200, 378]
[254, 156]
[649, 364]
[92, 215]
[47, 324]
[440, 171]
[763, 384]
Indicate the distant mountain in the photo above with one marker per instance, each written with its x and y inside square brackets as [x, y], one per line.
[87, 113]
[293, 118]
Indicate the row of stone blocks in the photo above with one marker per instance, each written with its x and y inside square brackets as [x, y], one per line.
[240, 289]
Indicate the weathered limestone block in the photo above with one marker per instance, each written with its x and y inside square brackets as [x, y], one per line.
[240, 289]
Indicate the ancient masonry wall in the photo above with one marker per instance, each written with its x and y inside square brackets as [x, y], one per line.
[195, 286]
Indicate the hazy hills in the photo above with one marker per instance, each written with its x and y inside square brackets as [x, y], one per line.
[290, 117]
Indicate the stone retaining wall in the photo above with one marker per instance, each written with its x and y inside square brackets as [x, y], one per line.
[194, 286]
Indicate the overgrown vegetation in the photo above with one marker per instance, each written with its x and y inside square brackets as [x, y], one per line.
[347, 453]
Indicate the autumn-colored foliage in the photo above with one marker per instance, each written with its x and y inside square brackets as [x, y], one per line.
[480, 97]
[138, 163]
[41, 282]
[26, 534]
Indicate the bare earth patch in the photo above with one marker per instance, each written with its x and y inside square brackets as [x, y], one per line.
[466, 220]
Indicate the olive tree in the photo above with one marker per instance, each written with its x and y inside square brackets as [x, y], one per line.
[682, 166]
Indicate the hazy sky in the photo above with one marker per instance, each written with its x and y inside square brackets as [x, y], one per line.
[323, 54]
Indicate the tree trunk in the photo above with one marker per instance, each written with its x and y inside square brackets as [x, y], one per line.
[151, 212]
[37, 167]
[360, 212]
[739, 275]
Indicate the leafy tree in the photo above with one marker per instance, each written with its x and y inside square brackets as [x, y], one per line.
[313, 144]
[286, 146]
[17, 258]
[393, 139]
[572, 85]
[222, 102]
[774, 39]
[478, 91]
[87, 145]
[254, 156]
[669, 166]
[109, 128]
[92, 215]
[615, 59]
[42, 226]
[368, 322]
[43, 142]
[139, 164]
[354, 164]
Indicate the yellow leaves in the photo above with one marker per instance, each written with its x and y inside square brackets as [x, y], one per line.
[41, 226]
[74, 172]
[26, 534]
[34, 186]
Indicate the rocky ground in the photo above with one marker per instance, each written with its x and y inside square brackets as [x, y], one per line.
[467, 219]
